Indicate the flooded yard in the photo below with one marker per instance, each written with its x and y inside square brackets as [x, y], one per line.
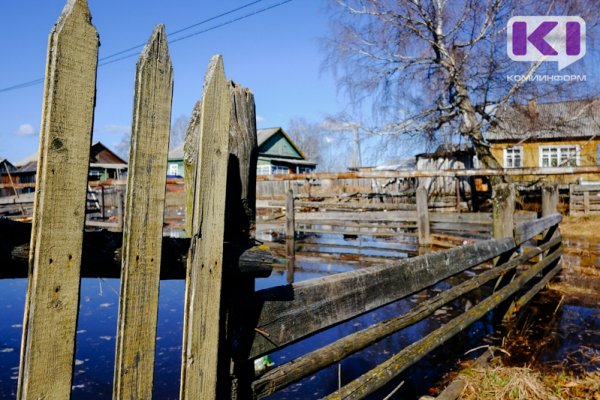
[555, 332]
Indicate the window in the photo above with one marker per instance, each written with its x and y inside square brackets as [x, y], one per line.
[173, 169]
[278, 169]
[559, 156]
[513, 157]
[305, 170]
[263, 170]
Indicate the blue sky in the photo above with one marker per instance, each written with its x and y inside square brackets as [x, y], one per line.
[275, 53]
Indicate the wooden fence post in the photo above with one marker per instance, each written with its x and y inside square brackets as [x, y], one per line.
[143, 228]
[190, 161]
[290, 235]
[50, 318]
[240, 228]
[550, 195]
[503, 202]
[571, 199]
[423, 216]
[586, 202]
[205, 262]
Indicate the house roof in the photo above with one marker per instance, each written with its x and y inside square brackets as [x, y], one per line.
[265, 134]
[448, 151]
[100, 156]
[543, 121]
[290, 161]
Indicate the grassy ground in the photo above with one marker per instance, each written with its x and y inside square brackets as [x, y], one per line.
[504, 383]
[584, 226]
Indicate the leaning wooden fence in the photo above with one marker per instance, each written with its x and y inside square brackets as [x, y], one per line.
[584, 199]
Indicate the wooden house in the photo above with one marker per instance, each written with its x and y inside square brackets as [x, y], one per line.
[278, 154]
[447, 156]
[104, 165]
[175, 162]
[547, 135]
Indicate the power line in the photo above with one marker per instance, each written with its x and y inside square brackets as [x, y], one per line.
[101, 63]
[231, 21]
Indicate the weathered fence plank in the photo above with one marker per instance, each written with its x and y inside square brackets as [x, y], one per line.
[503, 210]
[528, 230]
[550, 195]
[203, 289]
[144, 209]
[65, 137]
[290, 236]
[190, 162]
[312, 362]
[371, 216]
[423, 216]
[292, 312]
[386, 371]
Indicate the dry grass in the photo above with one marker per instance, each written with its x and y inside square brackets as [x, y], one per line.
[581, 226]
[514, 383]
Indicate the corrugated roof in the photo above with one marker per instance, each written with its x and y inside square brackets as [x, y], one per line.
[542, 121]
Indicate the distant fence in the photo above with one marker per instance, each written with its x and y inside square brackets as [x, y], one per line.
[584, 199]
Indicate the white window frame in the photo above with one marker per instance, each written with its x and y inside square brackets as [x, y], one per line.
[173, 169]
[279, 170]
[263, 169]
[511, 164]
[560, 149]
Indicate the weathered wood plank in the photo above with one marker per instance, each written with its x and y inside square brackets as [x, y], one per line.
[190, 162]
[389, 369]
[347, 206]
[202, 303]
[312, 362]
[503, 210]
[528, 230]
[290, 236]
[144, 211]
[59, 213]
[550, 197]
[423, 228]
[462, 218]
[289, 313]
[371, 216]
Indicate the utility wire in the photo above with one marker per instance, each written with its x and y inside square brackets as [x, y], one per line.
[103, 62]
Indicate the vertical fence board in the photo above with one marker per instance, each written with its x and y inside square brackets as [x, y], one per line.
[423, 216]
[50, 318]
[240, 228]
[290, 236]
[202, 303]
[144, 210]
[503, 210]
[190, 163]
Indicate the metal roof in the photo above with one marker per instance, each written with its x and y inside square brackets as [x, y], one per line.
[544, 121]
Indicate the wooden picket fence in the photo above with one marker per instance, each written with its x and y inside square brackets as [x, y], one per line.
[227, 324]
[55, 250]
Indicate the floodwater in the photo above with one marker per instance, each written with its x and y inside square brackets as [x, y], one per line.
[98, 320]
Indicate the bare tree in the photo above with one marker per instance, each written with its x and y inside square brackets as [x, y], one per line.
[178, 129]
[329, 149]
[431, 65]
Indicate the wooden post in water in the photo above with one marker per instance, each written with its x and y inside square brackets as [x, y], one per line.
[205, 261]
[144, 210]
[240, 227]
[290, 236]
[423, 216]
[550, 196]
[50, 318]
[503, 203]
